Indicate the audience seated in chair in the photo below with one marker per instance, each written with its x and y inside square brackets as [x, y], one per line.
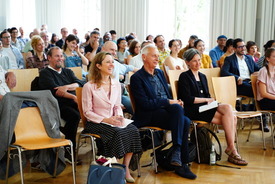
[62, 83]
[155, 107]
[193, 90]
[101, 99]
[37, 58]
[8, 81]
[173, 62]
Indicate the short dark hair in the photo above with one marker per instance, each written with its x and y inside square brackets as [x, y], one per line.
[236, 41]
[229, 43]
[94, 32]
[129, 37]
[119, 40]
[112, 32]
[268, 44]
[249, 44]
[197, 41]
[12, 29]
[3, 32]
[193, 37]
[70, 38]
[155, 39]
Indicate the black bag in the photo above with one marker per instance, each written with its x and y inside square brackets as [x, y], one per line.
[146, 139]
[205, 144]
[163, 156]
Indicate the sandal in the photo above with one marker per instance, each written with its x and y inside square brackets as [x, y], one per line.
[237, 161]
[232, 155]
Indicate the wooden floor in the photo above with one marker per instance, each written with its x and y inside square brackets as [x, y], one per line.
[261, 167]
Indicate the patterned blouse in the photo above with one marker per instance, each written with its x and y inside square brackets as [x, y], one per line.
[35, 62]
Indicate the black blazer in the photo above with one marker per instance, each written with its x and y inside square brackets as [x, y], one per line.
[145, 97]
[188, 89]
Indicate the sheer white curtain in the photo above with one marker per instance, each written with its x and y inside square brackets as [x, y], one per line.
[265, 29]
[125, 16]
[247, 19]
[233, 18]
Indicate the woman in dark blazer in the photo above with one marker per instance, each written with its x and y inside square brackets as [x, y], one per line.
[193, 90]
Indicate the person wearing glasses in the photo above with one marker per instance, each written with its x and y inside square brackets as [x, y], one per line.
[14, 41]
[240, 66]
[13, 53]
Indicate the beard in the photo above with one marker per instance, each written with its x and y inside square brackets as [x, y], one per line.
[57, 66]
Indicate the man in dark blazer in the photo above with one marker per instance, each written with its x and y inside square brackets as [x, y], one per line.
[155, 107]
[61, 42]
[240, 66]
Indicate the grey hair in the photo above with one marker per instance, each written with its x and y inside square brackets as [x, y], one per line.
[146, 48]
[190, 53]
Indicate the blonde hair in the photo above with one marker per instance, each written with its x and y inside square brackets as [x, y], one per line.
[35, 39]
[94, 72]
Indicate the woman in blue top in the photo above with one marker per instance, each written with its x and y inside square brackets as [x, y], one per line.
[72, 55]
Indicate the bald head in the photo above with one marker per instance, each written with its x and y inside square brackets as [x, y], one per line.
[110, 47]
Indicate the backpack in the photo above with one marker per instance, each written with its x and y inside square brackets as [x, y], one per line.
[205, 144]
[146, 139]
[163, 156]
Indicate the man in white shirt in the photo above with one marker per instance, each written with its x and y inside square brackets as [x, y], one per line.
[15, 57]
[240, 66]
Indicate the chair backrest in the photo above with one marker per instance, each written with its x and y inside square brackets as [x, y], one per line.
[209, 73]
[29, 125]
[24, 78]
[225, 90]
[254, 78]
[133, 103]
[78, 92]
[77, 71]
[173, 78]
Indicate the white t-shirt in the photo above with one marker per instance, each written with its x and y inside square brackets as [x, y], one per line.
[3, 85]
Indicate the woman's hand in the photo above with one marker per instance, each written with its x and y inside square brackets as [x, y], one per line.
[176, 102]
[114, 120]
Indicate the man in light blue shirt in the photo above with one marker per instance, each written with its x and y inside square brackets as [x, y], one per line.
[217, 51]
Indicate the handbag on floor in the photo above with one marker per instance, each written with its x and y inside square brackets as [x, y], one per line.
[106, 175]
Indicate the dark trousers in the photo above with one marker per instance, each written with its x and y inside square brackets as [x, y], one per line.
[172, 118]
[267, 104]
[69, 112]
[245, 89]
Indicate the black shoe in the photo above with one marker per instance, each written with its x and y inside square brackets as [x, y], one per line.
[176, 157]
[266, 129]
[185, 172]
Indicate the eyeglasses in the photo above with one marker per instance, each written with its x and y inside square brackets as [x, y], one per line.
[241, 47]
[6, 37]
[14, 32]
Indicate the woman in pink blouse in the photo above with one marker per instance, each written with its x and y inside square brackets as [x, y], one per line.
[101, 98]
[266, 82]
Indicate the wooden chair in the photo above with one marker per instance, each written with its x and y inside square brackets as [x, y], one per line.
[209, 73]
[174, 77]
[84, 121]
[24, 78]
[152, 129]
[31, 134]
[226, 92]
[77, 71]
[258, 108]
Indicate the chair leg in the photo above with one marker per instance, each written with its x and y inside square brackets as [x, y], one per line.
[56, 161]
[237, 141]
[272, 129]
[8, 166]
[139, 174]
[197, 144]
[78, 146]
[20, 164]
[264, 147]
[247, 140]
[93, 146]
[73, 162]
[154, 152]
